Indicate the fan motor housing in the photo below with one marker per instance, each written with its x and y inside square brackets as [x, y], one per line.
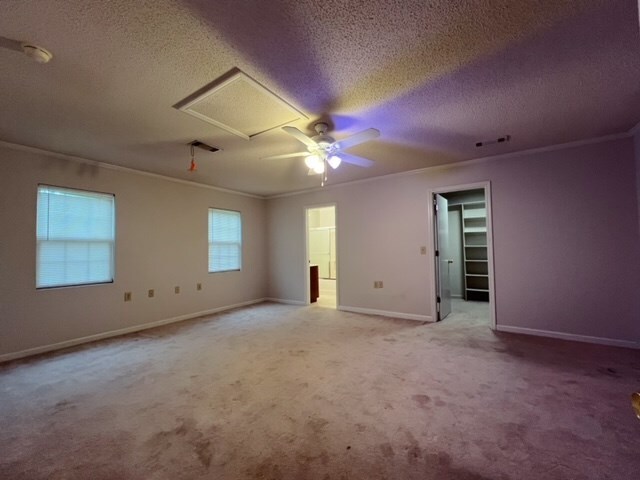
[323, 140]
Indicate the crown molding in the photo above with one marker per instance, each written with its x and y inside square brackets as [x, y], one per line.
[473, 161]
[119, 168]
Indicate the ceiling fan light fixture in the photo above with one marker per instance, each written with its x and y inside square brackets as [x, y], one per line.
[323, 150]
[312, 161]
[334, 161]
[318, 167]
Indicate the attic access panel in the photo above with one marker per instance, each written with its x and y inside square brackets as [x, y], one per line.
[242, 106]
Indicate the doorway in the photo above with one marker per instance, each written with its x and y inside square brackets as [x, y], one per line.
[322, 258]
[463, 254]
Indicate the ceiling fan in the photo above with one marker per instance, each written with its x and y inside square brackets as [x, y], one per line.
[323, 149]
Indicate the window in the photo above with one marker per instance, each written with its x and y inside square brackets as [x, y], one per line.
[75, 236]
[225, 240]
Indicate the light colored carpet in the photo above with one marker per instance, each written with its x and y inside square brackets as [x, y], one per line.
[283, 392]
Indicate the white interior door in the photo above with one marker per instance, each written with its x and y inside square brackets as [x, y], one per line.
[442, 257]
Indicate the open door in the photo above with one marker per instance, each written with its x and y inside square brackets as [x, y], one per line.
[321, 255]
[443, 288]
[461, 274]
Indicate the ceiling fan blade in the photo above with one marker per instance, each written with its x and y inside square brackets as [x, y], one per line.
[357, 138]
[294, 132]
[287, 155]
[353, 160]
[10, 44]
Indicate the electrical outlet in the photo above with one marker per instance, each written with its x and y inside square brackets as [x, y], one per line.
[176, 289]
[198, 286]
[377, 284]
[127, 296]
[151, 293]
[423, 250]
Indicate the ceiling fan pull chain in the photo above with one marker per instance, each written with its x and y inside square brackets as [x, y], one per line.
[193, 167]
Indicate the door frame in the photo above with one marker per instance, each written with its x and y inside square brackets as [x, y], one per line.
[486, 185]
[307, 294]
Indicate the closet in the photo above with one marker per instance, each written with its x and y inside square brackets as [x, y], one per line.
[469, 272]
[474, 239]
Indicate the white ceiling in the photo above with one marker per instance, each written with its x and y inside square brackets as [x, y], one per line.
[434, 77]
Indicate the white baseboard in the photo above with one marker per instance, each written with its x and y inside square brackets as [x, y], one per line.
[569, 336]
[122, 331]
[384, 313]
[285, 301]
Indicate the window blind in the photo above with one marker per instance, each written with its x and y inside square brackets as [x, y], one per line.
[225, 240]
[75, 235]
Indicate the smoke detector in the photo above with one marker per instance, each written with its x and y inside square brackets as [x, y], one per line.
[39, 54]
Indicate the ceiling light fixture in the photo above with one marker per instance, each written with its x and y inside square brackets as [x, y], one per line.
[315, 163]
[311, 161]
[319, 167]
[323, 150]
[39, 54]
[334, 161]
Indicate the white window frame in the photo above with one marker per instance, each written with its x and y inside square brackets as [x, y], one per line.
[212, 243]
[43, 239]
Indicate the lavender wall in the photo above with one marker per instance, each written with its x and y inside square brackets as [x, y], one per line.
[161, 230]
[566, 241]
[565, 227]
[636, 140]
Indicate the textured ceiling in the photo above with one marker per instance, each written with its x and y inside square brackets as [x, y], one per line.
[434, 77]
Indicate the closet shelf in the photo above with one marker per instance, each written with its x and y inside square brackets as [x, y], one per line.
[474, 213]
[474, 231]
